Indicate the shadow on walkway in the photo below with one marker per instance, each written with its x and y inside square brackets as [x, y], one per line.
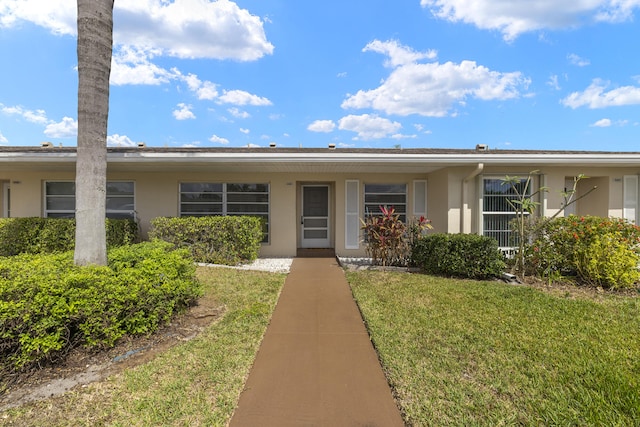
[316, 365]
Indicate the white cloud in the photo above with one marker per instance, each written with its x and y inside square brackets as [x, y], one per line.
[240, 97]
[206, 90]
[595, 96]
[58, 16]
[578, 61]
[602, 123]
[218, 140]
[180, 28]
[33, 116]
[133, 66]
[369, 126]
[402, 136]
[116, 140]
[203, 90]
[237, 113]
[193, 144]
[515, 17]
[67, 128]
[192, 28]
[553, 82]
[245, 131]
[184, 112]
[433, 89]
[398, 54]
[322, 126]
[3, 139]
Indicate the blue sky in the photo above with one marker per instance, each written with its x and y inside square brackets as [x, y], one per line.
[512, 74]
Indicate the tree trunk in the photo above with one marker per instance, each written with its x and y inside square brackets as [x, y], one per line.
[95, 38]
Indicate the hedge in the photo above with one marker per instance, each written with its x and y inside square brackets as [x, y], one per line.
[33, 235]
[228, 240]
[598, 251]
[458, 255]
[49, 306]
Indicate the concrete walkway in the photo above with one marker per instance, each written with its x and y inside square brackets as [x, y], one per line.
[316, 365]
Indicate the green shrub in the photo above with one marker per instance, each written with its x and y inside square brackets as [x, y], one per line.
[607, 262]
[573, 246]
[34, 235]
[48, 305]
[458, 255]
[226, 240]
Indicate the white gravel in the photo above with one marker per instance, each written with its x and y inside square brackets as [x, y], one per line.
[273, 265]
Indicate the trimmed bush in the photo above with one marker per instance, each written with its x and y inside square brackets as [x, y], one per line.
[48, 305]
[458, 255]
[598, 251]
[228, 240]
[35, 235]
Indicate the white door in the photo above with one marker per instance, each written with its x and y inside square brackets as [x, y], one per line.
[315, 217]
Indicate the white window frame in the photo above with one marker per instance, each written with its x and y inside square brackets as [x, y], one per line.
[71, 213]
[352, 214]
[225, 203]
[484, 214]
[403, 215]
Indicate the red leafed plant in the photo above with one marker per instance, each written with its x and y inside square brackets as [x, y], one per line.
[388, 239]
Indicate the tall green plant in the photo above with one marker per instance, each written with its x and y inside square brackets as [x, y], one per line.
[388, 239]
[524, 205]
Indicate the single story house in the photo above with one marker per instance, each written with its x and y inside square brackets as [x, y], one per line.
[316, 197]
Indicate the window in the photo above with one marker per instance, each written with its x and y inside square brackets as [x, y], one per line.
[389, 195]
[60, 199]
[497, 213]
[207, 198]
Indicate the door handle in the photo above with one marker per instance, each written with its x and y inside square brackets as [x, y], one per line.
[302, 220]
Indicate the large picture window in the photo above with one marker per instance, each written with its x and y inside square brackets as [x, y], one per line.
[207, 198]
[389, 195]
[497, 212]
[60, 199]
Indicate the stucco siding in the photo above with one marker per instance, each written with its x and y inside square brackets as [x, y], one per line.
[453, 195]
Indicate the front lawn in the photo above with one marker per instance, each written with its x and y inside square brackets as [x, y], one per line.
[194, 384]
[460, 352]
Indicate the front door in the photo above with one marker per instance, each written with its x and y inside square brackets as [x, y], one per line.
[315, 217]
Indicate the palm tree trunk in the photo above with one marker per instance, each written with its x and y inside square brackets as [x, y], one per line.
[95, 39]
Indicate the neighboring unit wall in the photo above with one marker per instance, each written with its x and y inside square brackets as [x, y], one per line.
[438, 200]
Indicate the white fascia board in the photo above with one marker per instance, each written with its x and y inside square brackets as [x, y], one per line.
[388, 158]
[583, 158]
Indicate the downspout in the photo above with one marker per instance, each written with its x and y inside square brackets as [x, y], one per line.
[465, 195]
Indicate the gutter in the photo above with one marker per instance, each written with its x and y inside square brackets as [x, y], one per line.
[465, 195]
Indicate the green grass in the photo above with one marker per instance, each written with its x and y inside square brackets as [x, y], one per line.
[484, 353]
[194, 384]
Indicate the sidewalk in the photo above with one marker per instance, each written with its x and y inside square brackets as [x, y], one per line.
[316, 365]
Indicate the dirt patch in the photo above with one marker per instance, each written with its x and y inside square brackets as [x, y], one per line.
[83, 366]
